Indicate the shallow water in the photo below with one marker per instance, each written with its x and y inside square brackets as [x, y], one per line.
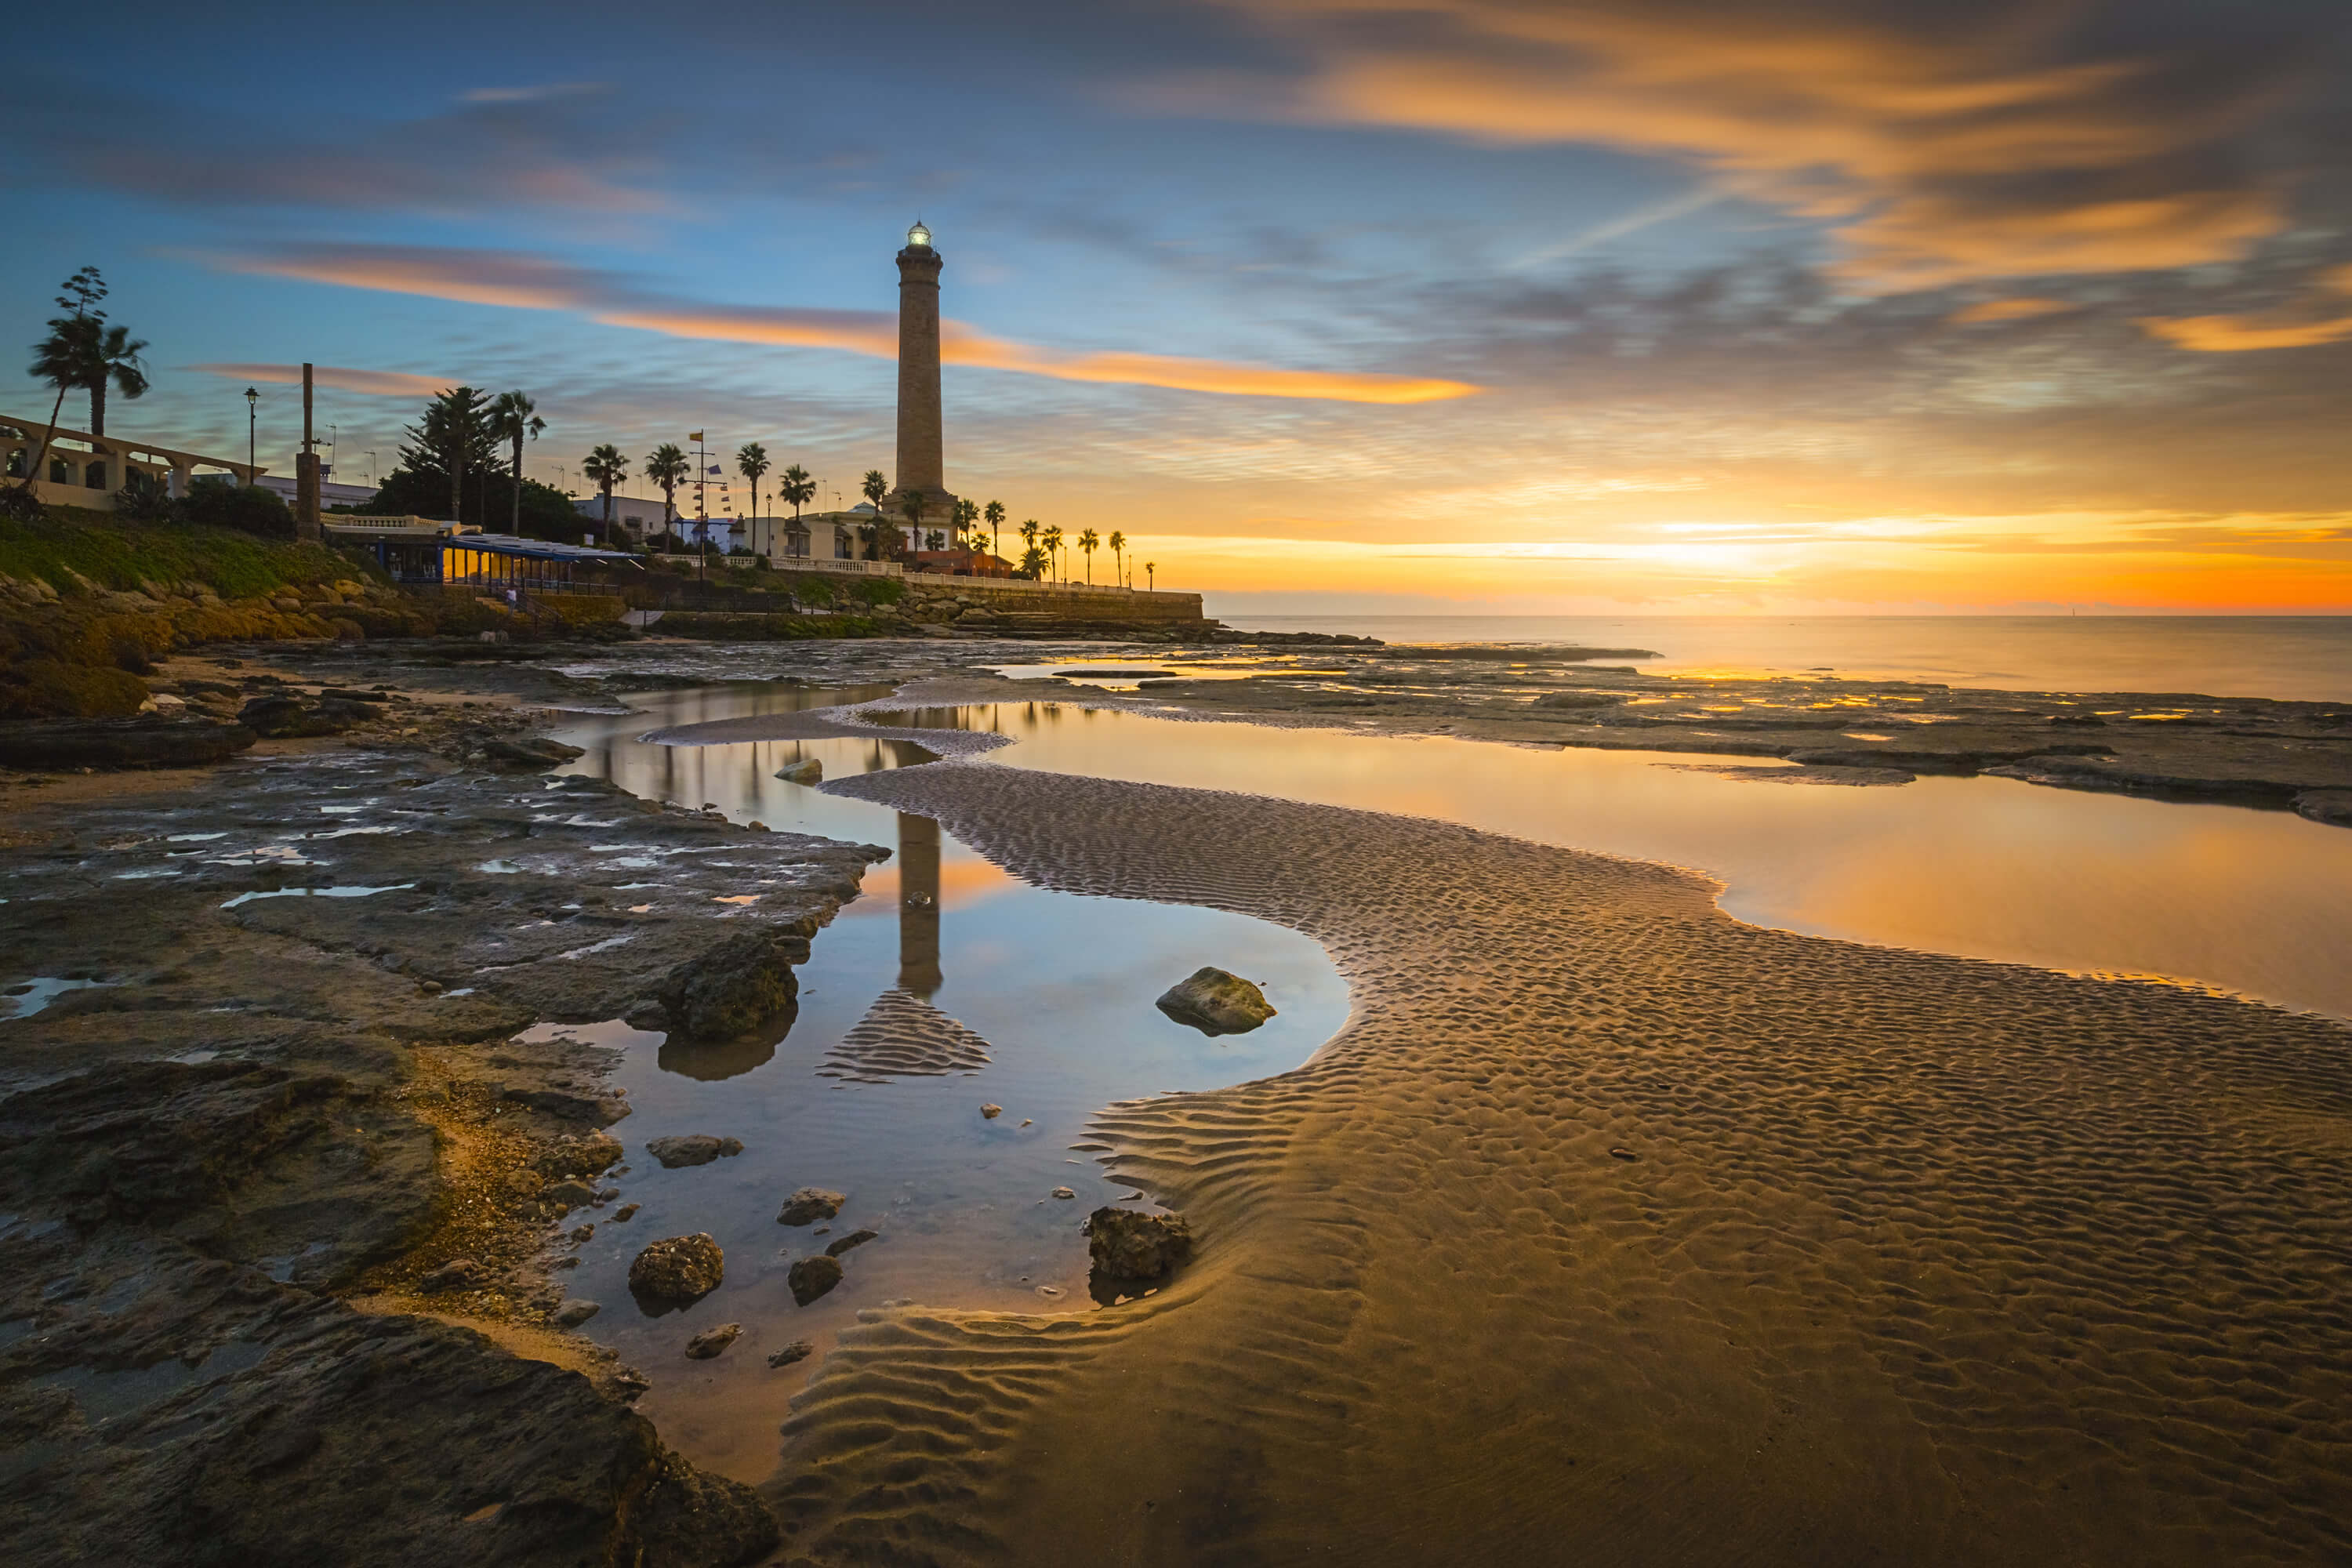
[2256, 902]
[1059, 987]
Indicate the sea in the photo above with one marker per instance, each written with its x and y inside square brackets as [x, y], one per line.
[2305, 657]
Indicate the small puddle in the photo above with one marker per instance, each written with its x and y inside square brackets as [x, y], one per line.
[350, 892]
[23, 998]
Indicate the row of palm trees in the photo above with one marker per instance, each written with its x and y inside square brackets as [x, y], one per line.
[668, 467]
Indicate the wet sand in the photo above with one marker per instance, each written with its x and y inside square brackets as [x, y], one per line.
[1612, 1229]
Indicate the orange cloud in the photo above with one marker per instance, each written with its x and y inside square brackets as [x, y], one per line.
[1941, 154]
[2243, 334]
[370, 383]
[533, 283]
[2018, 310]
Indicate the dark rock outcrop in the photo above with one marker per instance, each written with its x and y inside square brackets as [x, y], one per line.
[810, 1204]
[531, 752]
[813, 1277]
[39, 744]
[1127, 1246]
[712, 1342]
[692, 1148]
[739, 982]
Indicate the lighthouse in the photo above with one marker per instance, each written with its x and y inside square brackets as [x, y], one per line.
[921, 496]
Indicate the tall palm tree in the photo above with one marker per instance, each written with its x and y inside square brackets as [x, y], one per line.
[515, 417]
[751, 462]
[1053, 542]
[606, 467]
[1117, 543]
[994, 512]
[83, 352]
[1090, 541]
[666, 465]
[82, 291]
[1034, 564]
[1147, 578]
[874, 487]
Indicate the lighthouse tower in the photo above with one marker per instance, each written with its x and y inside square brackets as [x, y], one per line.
[920, 498]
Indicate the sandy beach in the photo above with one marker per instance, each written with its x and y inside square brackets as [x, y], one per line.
[1612, 1230]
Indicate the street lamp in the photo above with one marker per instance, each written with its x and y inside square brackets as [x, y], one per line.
[252, 412]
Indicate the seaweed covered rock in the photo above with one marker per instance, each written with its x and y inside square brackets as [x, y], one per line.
[143, 742]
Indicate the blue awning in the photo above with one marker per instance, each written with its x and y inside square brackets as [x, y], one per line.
[535, 549]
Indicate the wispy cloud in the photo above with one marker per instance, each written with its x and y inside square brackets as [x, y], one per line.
[522, 281]
[1941, 142]
[338, 378]
[2014, 309]
[2301, 327]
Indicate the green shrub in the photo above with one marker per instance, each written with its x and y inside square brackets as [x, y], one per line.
[248, 508]
[877, 591]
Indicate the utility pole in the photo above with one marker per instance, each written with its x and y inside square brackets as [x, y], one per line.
[305, 470]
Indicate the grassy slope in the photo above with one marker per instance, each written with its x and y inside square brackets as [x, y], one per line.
[118, 554]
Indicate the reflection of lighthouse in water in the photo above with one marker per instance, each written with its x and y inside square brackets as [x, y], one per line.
[919, 905]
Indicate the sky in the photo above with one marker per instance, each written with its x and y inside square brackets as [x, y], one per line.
[1331, 306]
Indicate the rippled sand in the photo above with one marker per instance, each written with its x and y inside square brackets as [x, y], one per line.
[1611, 1230]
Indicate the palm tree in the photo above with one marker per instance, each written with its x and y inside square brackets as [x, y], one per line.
[934, 540]
[966, 514]
[515, 417]
[1053, 542]
[1033, 564]
[606, 467]
[751, 462]
[876, 487]
[1117, 543]
[913, 516]
[994, 512]
[795, 489]
[83, 353]
[666, 465]
[1090, 541]
[1147, 577]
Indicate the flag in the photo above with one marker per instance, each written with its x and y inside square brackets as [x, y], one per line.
[694, 434]
[714, 468]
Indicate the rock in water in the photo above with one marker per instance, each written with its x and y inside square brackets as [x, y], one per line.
[2329, 805]
[1216, 1003]
[807, 771]
[1129, 1246]
[678, 1269]
[854, 1239]
[574, 1312]
[694, 1149]
[710, 1341]
[799, 1350]
[588, 1155]
[810, 1204]
[813, 1277]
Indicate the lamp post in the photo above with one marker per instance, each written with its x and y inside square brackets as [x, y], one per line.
[252, 412]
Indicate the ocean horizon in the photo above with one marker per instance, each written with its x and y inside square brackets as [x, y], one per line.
[2299, 658]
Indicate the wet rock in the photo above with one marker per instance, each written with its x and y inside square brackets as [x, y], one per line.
[49, 744]
[712, 1342]
[735, 985]
[813, 1277]
[1575, 700]
[531, 752]
[584, 1156]
[1216, 1003]
[1126, 1245]
[854, 1239]
[1064, 1192]
[574, 1312]
[581, 1234]
[570, 1194]
[630, 1383]
[2333, 806]
[799, 1350]
[280, 716]
[457, 1274]
[810, 1204]
[626, 1212]
[992, 1112]
[678, 1269]
[693, 1149]
[808, 770]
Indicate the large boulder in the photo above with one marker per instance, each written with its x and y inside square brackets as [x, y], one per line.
[1216, 1003]
[678, 1269]
[589, 1154]
[807, 771]
[1126, 1245]
[692, 1148]
[736, 985]
[44, 745]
